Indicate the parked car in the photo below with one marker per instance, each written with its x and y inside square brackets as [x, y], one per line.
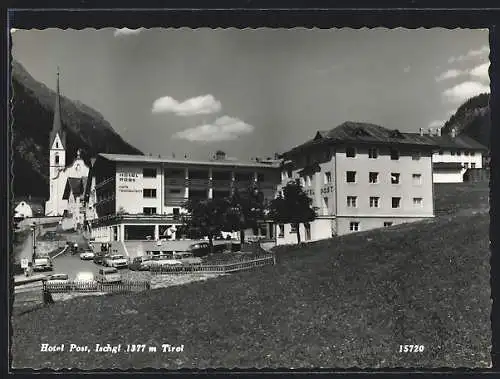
[59, 280]
[186, 257]
[116, 260]
[140, 263]
[87, 255]
[85, 280]
[199, 249]
[42, 264]
[108, 275]
[99, 258]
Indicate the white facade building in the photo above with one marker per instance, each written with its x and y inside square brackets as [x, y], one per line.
[360, 177]
[59, 172]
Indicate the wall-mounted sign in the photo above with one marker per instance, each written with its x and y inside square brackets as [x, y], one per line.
[327, 189]
[309, 192]
[128, 176]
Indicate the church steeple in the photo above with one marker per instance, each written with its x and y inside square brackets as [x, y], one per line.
[57, 127]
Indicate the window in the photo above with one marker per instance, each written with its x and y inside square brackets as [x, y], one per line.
[396, 202]
[354, 226]
[149, 211]
[57, 158]
[293, 228]
[351, 176]
[149, 172]
[416, 155]
[395, 178]
[149, 192]
[372, 153]
[417, 201]
[281, 230]
[472, 153]
[307, 227]
[325, 201]
[351, 201]
[374, 202]
[174, 190]
[394, 154]
[328, 177]
[466, 164]
[459, 153]
[417, 178]
[440, 152]
[472, 165]
[466, 152]
[387, 223]
[57, 145]
[350, 152]
[373, 177]
[452, 152]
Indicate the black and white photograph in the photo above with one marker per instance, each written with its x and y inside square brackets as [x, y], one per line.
[250, 198]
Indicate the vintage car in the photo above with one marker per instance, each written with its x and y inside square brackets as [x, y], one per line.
[199, 249]
[87, 255]
[42, 264]
[116, 260]
[108, 275]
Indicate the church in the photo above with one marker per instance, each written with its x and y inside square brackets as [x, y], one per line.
[66, 181]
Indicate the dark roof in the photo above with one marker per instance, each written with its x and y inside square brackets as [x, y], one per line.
[366, 133]
[74, 185]
[461, 141]
[447, 165]
[57, 126]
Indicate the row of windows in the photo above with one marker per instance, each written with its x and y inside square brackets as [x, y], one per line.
[373, 177]
[354, 226]
[373, 153]
[459, 152]
[352, 202]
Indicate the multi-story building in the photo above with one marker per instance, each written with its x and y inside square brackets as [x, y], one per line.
[360, 176]
[455, 155]
[140, 197]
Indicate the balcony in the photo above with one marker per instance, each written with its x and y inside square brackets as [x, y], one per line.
[198, 182]
[219, 183]
[174, 201]
[175, 182]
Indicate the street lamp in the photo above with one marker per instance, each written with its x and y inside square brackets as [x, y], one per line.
[33, 230]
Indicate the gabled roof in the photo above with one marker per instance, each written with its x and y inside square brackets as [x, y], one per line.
[365, 133]
[75, 186]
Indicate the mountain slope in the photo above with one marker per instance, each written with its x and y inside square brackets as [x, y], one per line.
[32, 111]
[473, 119]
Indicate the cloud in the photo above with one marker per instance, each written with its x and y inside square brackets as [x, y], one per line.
[464, 91]
[127, 32]
[481, 72]
[436, 124]
[481, 52]
[407, 69]
[205, 104]
[225, 128]
[448, 75]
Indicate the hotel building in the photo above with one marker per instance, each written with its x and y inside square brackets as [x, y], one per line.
[360, 176]
[137, 197]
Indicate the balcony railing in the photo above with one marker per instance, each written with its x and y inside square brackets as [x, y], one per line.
[198, 182]
[175, 181]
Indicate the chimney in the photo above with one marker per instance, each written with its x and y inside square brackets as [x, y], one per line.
[431, 131]
[220, 155]
[438, 132]
[421, 131]
[453, 133]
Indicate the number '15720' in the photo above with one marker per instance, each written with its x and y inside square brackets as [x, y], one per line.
[411, 348]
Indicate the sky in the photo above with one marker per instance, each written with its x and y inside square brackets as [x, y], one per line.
[253, 93]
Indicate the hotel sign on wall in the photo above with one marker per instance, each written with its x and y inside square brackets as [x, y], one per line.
[325, 190]
[129, 182]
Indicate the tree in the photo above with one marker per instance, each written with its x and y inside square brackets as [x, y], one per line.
[293, 206]
[205, 218]
[246, 209]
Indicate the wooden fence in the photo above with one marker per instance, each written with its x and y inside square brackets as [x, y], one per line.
[75, 286]
[226, 267]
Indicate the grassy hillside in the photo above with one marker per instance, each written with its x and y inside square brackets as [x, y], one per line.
[345, 302]
[32, 112]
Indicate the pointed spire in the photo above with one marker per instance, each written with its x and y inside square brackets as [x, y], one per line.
[57, 127]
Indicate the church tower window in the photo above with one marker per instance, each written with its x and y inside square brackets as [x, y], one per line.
[57, 158]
